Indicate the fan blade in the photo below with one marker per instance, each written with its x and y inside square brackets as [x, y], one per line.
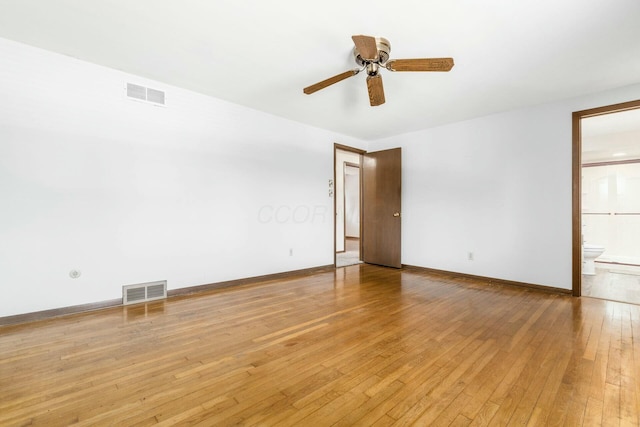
[366, 46]
[376, 91]
[331, 80]
[422, 64]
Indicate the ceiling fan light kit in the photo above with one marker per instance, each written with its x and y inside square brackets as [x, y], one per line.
[371, 54]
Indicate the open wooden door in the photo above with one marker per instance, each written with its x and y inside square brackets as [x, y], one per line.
[381, 186]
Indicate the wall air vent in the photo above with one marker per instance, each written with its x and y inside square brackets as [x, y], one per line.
[143, 292]
[147, 94]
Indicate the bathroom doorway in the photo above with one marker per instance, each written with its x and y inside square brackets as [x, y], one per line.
[606, 221]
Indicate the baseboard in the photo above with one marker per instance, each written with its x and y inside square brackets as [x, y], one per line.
[57, 312]
[65, 311]
[549, 289]
[249, 280]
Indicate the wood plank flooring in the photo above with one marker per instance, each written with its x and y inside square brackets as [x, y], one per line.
[365, 346]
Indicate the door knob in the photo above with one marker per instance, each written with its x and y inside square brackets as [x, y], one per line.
[396, 214]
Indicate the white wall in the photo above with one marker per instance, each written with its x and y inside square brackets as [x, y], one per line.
[352, 201]
[198, 192]
[205, 191]
[498, 186]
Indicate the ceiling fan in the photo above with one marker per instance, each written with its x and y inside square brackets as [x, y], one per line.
[370, 54]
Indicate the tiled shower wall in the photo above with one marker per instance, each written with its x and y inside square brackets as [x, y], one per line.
[611, 210]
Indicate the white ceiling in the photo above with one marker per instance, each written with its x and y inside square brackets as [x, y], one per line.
[261, 53]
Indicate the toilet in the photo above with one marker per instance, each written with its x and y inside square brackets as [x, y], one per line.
[589, 254]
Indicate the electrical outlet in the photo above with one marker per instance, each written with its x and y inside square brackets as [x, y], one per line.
[470, 256]
[290, 251]
[74, 274]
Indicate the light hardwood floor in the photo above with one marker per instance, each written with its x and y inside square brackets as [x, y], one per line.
[363, 345]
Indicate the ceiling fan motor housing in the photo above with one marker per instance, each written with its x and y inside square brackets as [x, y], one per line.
[384, 49]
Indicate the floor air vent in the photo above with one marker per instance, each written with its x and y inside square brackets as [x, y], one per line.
[144, 292]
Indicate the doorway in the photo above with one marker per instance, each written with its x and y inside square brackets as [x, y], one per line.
[348, 203]
[372, 234]
[606, 202]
